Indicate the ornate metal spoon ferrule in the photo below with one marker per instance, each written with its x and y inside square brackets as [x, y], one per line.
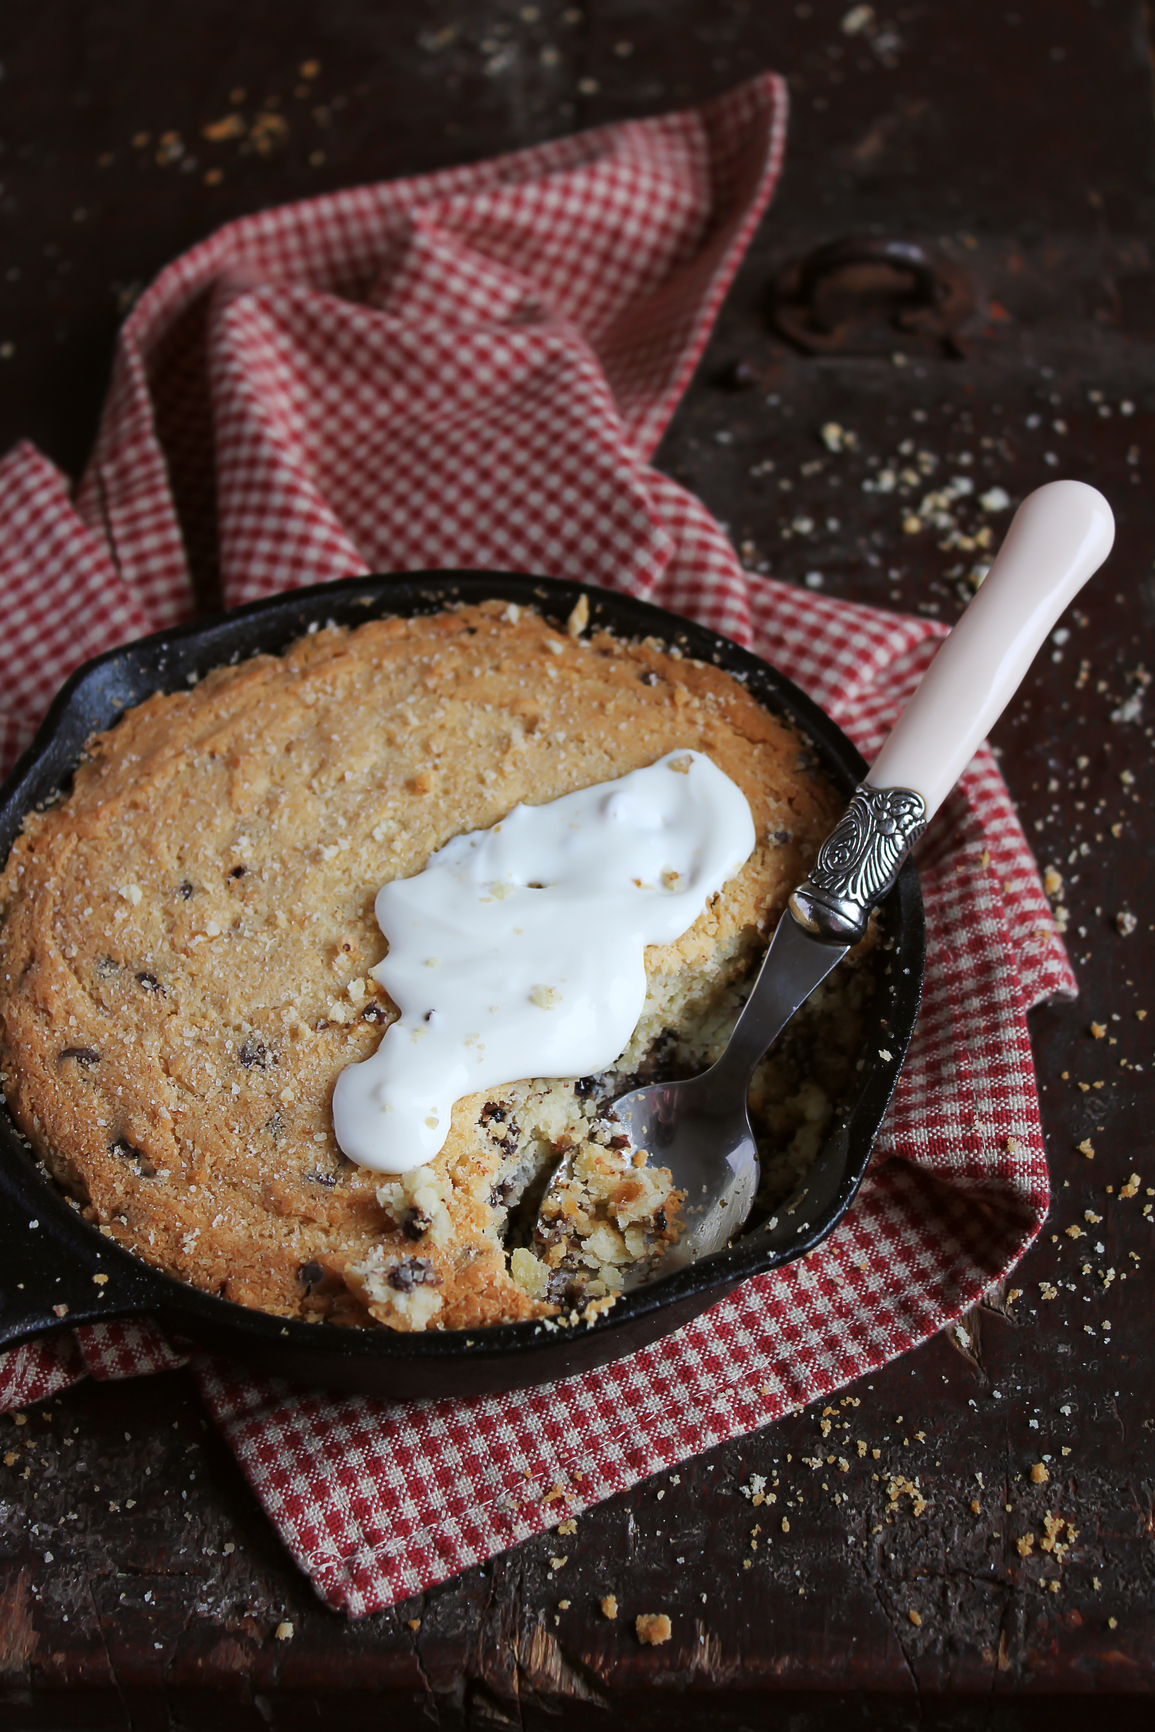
[858, 862]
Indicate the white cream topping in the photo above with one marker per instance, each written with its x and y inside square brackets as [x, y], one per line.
[520, 951]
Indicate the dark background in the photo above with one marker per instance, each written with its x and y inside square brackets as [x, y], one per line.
[1017, 141]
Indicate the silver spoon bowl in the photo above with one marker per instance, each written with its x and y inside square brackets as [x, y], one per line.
[699, 1129]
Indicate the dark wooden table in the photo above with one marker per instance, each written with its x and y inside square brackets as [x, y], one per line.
[141, 1586]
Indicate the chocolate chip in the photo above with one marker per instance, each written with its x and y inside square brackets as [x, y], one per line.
[416, 1224]
[414, 1272]
[783, 836]
[561, 1289]
[492, 1113]
[238, 871]
[310, 1273]
[648, 677]
[149, 982]
[84, 1055]
[127, 1151]
[584, 1087]
[659, 1220]
[619, 1142]
[374, 1013]
[254, 1052]
[508, 1143]
[184, 891]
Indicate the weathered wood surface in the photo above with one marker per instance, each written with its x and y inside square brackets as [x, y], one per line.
[141, 1587]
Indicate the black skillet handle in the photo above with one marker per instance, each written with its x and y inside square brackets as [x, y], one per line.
[56, 1273]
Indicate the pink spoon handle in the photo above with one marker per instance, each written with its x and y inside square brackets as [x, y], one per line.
[1058, 538]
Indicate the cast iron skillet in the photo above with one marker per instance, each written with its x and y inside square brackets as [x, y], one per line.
[51, 1261]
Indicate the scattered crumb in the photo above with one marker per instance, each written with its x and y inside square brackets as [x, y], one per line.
[414, 1623]
[899, 1487]
[915, 1618]
[579, 618]
[268, 133]
[837, 438]
[610, 1606]
[231, 126]
[283, 1632]
[653, 1627]
[1039, 1474]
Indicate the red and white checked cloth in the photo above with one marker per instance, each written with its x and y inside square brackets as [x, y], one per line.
[471, 369]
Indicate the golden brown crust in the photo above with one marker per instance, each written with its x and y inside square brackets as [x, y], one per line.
[187, 938]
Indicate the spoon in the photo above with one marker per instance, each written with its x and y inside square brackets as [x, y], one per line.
[700, 1128]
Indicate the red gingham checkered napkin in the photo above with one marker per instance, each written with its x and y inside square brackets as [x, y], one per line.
[471, 370]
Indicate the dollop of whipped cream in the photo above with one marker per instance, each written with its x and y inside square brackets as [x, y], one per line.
[519, 951]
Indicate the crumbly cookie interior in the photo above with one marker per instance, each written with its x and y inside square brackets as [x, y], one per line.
[186, 942]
